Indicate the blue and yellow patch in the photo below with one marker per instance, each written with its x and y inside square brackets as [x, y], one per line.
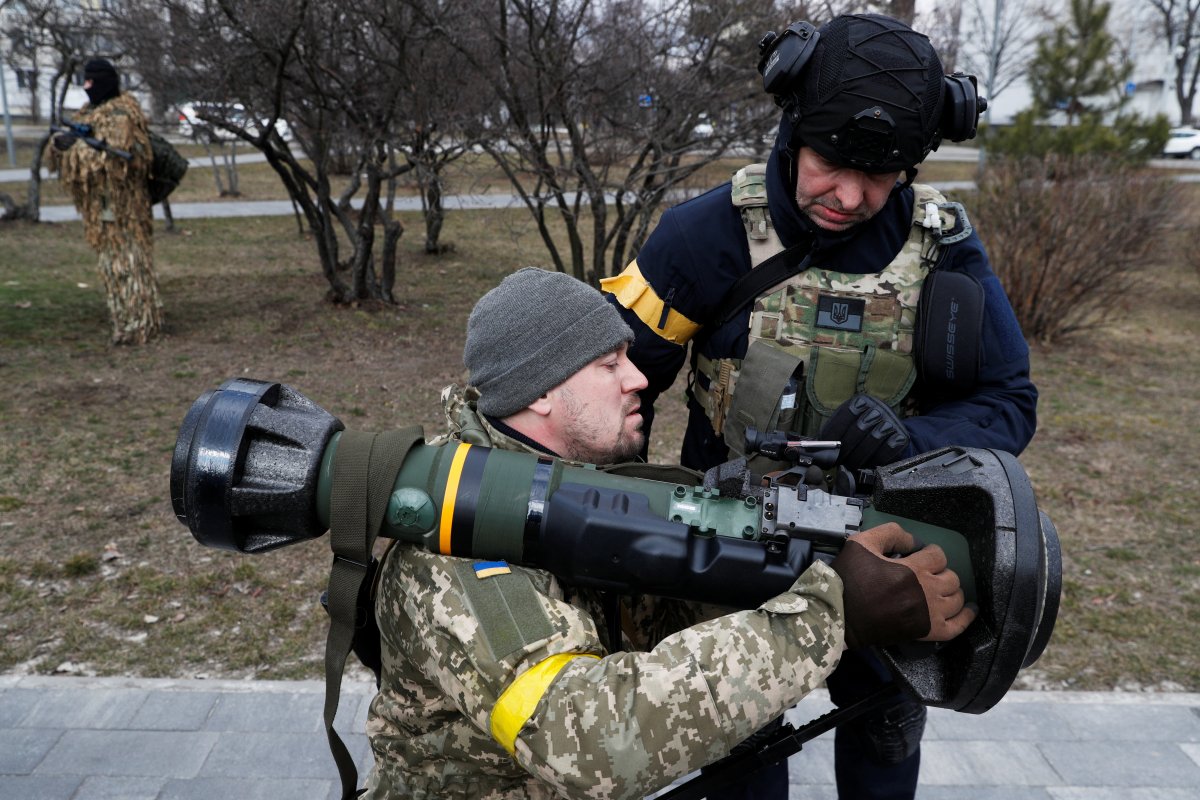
[488, 569]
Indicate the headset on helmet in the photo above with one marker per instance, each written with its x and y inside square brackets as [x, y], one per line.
[865, 135]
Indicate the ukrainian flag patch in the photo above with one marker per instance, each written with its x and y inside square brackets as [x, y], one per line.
[488, 569]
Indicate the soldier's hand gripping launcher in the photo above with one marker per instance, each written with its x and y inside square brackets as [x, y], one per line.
[255, 465]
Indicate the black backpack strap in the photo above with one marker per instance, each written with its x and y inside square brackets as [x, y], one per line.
[365, 472]
[755, 283]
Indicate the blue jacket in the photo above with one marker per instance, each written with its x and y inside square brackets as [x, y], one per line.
[697, 252]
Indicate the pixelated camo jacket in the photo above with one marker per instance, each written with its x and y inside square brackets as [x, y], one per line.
[609, 724]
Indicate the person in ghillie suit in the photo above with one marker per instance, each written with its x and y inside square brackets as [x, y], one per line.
[111, 194]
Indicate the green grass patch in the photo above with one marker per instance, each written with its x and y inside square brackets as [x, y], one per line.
[80, 565]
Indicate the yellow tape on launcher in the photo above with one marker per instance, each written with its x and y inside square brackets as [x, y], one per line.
[258, 466]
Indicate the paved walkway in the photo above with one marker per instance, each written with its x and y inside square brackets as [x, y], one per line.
[68, 738]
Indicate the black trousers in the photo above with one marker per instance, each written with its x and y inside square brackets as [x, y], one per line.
[859, 773]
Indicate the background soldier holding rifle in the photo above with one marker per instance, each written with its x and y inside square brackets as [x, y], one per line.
[106, 172]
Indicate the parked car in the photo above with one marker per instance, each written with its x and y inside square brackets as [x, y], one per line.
[704, 128]
[1183, 143]
[192, 126]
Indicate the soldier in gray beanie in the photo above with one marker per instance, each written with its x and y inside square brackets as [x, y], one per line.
[532, 332]
[485, 668]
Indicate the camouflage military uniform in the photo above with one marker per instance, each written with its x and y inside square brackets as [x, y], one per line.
[112, 195]
[603, 722]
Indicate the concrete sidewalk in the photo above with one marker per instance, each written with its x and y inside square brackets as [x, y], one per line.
[66, 738]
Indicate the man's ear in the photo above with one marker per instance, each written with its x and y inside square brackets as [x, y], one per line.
[542, 406]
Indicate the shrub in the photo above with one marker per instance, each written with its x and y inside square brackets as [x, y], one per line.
[1067, 236]
[1128, 139]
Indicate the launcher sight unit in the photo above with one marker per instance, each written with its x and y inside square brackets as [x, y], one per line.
[258, 466]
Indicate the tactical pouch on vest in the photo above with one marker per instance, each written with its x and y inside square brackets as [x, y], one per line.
[763, 376]
[949, 330]
[836, 375]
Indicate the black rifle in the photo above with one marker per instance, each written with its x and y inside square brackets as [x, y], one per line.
[83, 131]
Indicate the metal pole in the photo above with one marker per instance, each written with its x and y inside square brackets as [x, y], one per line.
[8, 134]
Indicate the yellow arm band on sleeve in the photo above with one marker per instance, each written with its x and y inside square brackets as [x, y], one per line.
[515, 705]
[633, 292]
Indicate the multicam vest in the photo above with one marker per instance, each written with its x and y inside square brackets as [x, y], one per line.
[822, 336]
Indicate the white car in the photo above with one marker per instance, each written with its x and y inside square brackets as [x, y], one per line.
[1184, 143]
[191, 126]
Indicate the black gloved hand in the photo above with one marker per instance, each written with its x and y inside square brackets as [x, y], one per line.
[893, 600]
[64, 141]
[870, 433]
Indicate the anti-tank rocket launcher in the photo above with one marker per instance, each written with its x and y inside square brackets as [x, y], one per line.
[258, 466]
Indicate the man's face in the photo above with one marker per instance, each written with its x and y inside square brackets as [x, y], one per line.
[595, 411]
[837, 198]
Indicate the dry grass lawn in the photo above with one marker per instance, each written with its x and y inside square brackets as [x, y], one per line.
[96, 575]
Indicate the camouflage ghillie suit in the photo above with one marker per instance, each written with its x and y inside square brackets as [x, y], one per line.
[111, 196]
[595, 720]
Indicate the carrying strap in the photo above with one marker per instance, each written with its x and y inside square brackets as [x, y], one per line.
[755, 283]
[364, 473]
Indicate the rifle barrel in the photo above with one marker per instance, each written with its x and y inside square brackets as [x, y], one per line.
[95, 144]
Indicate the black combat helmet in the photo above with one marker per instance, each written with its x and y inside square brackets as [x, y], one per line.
[869, 96]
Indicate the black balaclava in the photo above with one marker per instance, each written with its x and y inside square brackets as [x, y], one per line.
[868, 73]
[105, 83]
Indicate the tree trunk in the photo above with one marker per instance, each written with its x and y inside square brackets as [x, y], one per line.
[392, 231]
[216, 170]
[363, 281]
[435, 214]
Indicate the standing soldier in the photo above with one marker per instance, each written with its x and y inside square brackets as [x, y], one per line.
[827, 294]
[110, 190]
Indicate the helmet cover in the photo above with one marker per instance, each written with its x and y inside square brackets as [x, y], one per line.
[872, 97]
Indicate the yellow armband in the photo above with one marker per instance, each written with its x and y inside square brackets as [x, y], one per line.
[516, 704]
[633, 292]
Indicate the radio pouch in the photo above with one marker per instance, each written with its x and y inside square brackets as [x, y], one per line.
[949, 330]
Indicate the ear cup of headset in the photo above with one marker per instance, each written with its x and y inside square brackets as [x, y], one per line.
[783, 57]
[961, 107]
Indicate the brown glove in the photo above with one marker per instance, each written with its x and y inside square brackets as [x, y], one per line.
[891, 600]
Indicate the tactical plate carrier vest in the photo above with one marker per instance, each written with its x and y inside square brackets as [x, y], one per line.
[820, 337]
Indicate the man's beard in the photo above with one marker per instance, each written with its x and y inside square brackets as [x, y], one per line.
[583, 435]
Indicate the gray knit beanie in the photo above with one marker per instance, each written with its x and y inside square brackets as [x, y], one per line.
[532, 332]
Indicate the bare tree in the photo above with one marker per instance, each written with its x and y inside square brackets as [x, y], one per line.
[999, 37]
[903, 10]
[70, 33]
[1181, 30]
[943, 25]
[23, 57]
[350, 81]
[602, 105]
